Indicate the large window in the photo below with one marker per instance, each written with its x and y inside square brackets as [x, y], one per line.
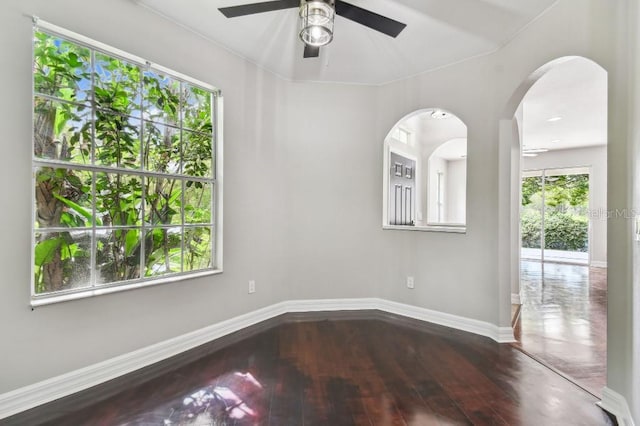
[124, 170]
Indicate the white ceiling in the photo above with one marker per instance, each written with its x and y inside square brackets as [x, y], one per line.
[575, 90]
[449, 135]
[453, 150]
[438, 33]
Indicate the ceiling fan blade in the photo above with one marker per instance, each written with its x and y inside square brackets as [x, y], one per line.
[311, 51]
[250, 9]
[369, 19]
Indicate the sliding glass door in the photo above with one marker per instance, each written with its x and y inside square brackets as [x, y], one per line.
[554, 218]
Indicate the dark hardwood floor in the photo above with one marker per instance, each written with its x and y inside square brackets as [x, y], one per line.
[383, 371]
[563, 321]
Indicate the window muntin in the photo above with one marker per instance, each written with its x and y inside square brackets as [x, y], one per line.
[402, 135]
[124, 171]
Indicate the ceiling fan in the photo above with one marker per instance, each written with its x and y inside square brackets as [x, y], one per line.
[316, 19]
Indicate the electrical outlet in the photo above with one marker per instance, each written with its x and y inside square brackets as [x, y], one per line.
[252, 286]
[410, 282]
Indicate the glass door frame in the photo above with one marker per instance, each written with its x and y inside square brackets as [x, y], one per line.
[543, 173]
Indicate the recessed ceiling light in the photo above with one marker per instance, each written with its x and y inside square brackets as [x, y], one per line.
[552, 119]
[529, 155]
[440, 114]
[555, 141]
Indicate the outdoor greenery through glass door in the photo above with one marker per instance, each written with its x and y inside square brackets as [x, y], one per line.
[554, 213]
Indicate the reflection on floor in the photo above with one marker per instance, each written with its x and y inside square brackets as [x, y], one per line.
[555, 256]
[563, 321]
[346, 372]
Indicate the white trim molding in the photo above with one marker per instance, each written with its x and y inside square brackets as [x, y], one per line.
[515, 299]
[617, 405]
[31, 396]
[598, 264]
[499, 334]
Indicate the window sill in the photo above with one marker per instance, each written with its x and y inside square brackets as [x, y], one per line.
[452, 229]
[98, 291]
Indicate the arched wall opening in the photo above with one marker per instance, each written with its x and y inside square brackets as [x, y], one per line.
[526, 109]
[425, 172]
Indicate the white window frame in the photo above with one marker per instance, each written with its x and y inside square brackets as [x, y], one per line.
[216, 180]
[402, 135]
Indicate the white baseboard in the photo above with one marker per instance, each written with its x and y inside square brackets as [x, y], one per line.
[499, 334]
[505, 335]
[57, 387]
[515, 299]
[617, 405]
[598, 264]
[51, 389]
[324, 305]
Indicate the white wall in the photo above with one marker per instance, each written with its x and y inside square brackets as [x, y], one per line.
[434, 259]
[515, 177]
[335, 244]
[303, 198]
[436, 165]
[483, 92]
[456, 190]
[596, 159]
[56, 339]
[454, 181]
[631, 306]
[599, 30]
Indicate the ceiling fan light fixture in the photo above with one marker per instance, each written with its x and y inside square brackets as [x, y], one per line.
[316, 23]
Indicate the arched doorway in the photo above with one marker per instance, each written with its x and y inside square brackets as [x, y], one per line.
[559, 121]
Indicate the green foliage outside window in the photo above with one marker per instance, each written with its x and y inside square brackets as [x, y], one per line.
[566, 224]
[123, 171]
